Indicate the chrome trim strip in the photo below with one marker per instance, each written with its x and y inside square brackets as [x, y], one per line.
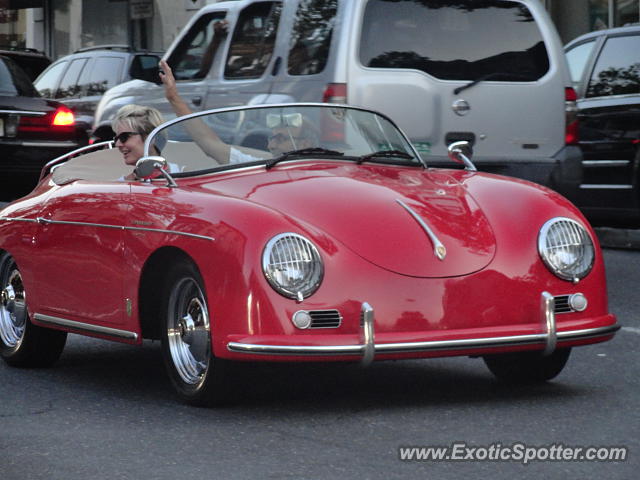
[388, 348]
[18, 219]
[368, 335]
[547, 307]
[122, 227]
[439, 249]
[592, 186]
[29, 113]
[605, 163]
[86, 327]
[48, 144]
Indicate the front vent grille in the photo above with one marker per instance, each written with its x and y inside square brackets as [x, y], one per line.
[325, 318]
[562, 304]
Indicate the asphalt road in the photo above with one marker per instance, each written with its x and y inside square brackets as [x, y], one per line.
[106, 411]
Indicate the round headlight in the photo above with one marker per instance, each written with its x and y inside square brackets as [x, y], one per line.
[292, 265]
[566, 248]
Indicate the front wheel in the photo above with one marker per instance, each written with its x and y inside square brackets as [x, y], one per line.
[527, 367]
[197, 376]
[23, 344]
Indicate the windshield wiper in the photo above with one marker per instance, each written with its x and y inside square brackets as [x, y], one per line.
[385, 153]
[302, 152]
[489, 76]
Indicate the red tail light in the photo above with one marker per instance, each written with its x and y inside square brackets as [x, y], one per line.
[571, 114]
[333, 129]
[62, 119]
[335, 93]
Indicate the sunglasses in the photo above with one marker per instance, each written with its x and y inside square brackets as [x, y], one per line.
[284, 120]
[124, 136]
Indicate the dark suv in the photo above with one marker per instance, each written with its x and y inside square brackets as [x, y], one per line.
[605, 69]
[32, 61]
[80, 79]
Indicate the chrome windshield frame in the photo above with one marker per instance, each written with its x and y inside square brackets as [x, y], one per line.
[150, 138]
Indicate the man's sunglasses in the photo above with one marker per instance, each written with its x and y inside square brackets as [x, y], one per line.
[284, 120]
[124, 136]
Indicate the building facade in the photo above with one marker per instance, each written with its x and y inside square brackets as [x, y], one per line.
[59, 27]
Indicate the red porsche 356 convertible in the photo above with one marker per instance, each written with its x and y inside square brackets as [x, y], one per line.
[298, 232]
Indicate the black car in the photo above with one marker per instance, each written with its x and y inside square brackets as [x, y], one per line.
[605, 69]
[33, 131]
[32, 61]
[80, 79]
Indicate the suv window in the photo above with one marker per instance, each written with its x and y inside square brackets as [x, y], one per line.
[69, 84]
[253, 41]
[454, 40]
[311, 36]
[105, 74]
[188, 58]
[47, 82]
[14, 81]
[617, 71]
[577, 58]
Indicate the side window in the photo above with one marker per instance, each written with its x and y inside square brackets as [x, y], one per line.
[451, 40]
[617, 70]
[47, 83]
[311, 36]
[193, 55]
[253, 41]
[69, 86]
[577, 58]
[106, 73]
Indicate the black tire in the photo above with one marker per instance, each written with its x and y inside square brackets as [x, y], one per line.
[197, 376]
[23, 344]
[527, 367]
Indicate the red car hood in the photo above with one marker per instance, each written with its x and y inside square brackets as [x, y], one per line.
[360, 206]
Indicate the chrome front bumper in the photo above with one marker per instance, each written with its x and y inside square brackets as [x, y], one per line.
[367, 349]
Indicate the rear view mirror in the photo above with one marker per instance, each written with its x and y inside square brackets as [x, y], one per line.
[145, 67]
[151, 167]
[461, 152]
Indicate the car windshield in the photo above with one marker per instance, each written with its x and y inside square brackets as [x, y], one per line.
[270, 135]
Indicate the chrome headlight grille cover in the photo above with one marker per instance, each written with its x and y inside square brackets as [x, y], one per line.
[292, 265]
[566, 248]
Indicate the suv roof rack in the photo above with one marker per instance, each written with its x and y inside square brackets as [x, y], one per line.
[13, 48]
[122, 47]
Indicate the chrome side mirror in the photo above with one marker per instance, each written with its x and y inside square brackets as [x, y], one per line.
[152, 166]
[461, 152]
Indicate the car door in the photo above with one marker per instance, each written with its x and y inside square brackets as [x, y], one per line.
[249, 62]
[610, 128]
[80, 245]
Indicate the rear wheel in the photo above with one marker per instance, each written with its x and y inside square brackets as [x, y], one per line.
[527, 367]
[197, 376]
[23, 344]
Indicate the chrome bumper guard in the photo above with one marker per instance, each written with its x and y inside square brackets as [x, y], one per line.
[368, 348]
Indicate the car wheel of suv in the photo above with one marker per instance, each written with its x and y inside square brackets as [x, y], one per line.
[195, 373]
[23, 344]
[527, 367]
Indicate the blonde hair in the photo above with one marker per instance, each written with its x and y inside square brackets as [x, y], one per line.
[137, 119]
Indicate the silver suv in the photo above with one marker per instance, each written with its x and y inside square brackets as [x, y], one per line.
[491, 72]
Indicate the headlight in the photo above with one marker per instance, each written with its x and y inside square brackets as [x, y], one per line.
[292, 265]
[566, 248]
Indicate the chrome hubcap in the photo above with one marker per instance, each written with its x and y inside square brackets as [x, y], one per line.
[13, 309]
[189, 333]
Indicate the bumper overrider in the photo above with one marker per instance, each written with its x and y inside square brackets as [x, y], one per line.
[548, 339]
